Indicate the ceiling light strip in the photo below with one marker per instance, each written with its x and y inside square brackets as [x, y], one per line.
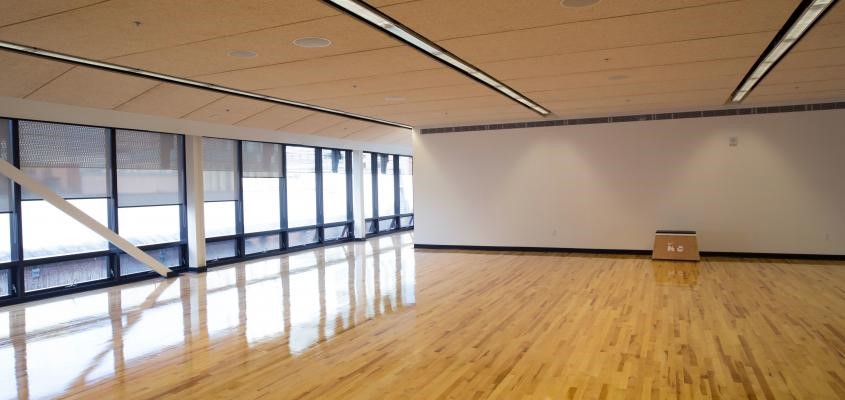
[799, 23]
[380, 20]
[187, 82]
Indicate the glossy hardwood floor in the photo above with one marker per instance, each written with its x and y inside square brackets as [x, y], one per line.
[380, 320]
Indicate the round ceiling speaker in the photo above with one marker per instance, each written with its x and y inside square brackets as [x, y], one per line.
[312, 42]
[578, 3]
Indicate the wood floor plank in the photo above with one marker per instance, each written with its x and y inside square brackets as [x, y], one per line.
[380, 320]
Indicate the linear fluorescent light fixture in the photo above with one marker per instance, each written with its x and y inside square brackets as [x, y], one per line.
[52, 55]
[392, 27]
[799, 23]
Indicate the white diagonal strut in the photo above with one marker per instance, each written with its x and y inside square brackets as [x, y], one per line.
[80, 216]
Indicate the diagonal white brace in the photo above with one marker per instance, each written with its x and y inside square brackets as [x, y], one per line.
[80, 216]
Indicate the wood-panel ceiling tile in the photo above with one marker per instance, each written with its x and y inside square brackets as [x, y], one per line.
[440, 105]
[24, 74]
[108, 29]
[15, 11]
[169, 100]
[356, 65]
[371, 84]
[724, 68]
[88, 87]
[228, 110]
[275, 117]
[313, 123]
[698, 98]
[343, 129]
[439, 19]
[273, 46]
[812, 59]
[723, 19]
[800, 87]
[791, 98]
[780, 76]
[375, 131]
[672, 53]
[411, 96]
[725, 83]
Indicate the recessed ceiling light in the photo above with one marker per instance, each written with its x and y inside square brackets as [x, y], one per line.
[312, 42]
[375, 17]
[578, 3]
[617, 77]
[802, 19]
[242, 54]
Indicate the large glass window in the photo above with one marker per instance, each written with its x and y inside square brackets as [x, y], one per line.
[334, 186]
[262, 171]
[220, 180]
[149, 186]
[386, 185]
[6, 200]
[406, 185]
[367, 164]
[73, 161]
[301, 186]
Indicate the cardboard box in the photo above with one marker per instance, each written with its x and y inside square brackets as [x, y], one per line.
[675, 245]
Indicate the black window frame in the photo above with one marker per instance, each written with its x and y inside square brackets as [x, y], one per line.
[17, 288]
[396, 217]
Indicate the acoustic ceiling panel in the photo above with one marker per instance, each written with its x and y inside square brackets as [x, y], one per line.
[22, 75]
[87, 87]
[615, 56]
[169, 100]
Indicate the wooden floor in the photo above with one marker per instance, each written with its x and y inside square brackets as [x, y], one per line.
[380, 320]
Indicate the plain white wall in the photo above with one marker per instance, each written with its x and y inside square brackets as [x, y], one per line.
[610, 186]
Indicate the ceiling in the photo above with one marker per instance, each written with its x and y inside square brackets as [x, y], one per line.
[615, 57]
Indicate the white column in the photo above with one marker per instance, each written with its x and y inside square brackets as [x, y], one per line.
[80, 216]
[195, 206]
[358, 193]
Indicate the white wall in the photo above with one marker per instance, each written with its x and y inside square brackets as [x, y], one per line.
[610, 186]
[30, 109]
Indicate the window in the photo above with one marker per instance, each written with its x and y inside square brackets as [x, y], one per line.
[71, 160]
[335, 232]
[6, 200]
[220, 250]
[303, 237]
[149, 186]
[261, 244]
[5, 282]
[406, 185]
[262, 173]
[65, 273]
[386, 185]
[169, 257]
[301, 186]
[220, 180]
[367, 164]
[219, 218]
[334, 186]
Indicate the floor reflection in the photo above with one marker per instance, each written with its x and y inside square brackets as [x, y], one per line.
[287, 303]
[675, 273]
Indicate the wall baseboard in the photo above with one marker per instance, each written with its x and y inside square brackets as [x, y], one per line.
[829, 257]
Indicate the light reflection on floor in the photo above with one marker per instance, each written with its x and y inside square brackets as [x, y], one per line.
[286, 303]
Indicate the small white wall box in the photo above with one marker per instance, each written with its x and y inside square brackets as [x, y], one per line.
[675, 245]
